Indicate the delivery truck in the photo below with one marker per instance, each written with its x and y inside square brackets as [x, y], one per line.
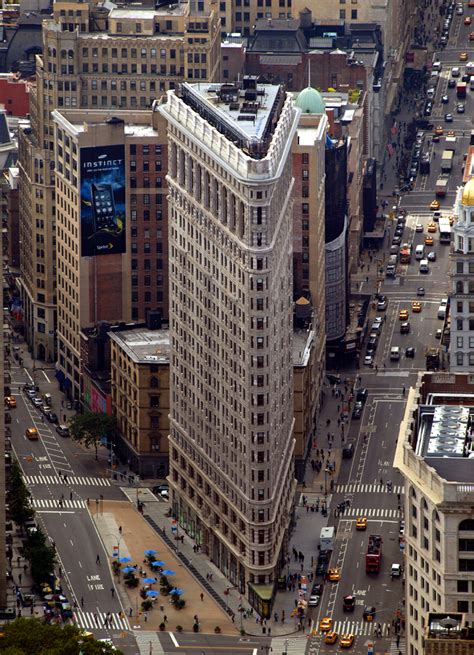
[447, 161]
[441, 187]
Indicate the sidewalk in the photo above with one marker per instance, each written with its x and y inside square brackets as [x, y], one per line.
[304, 537]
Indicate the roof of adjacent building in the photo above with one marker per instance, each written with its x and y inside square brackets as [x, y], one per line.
[310, 101]
[445, 437]
[144, 346]
[468, 194]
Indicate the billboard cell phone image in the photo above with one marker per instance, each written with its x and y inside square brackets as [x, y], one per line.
[103, 200]
[103, 207]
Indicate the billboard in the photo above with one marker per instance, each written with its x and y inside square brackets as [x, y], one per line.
[102, 200]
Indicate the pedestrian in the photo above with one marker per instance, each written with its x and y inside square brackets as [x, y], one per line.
[112, 591]
[120, 529]
[19, 578]
[165, 618]
[130, 611]
[202, 596]
[70, 495]
[145, 616]
[82, 601]
[97, 560]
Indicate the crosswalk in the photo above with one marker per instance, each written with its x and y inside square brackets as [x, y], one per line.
[91, 620]
[74, 480]
[39, 503]
[289, 645]
[371, 513]
[149, 642]
[357, 628]
[401, 648]
[360, 488]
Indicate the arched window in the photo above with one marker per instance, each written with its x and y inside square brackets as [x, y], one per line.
[467, 524]
[412, 493]
[423, 504]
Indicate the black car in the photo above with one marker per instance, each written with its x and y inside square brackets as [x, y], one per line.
[410, 352]
[432, 256]
[357, 411]
[428, 109]
[448, 118]
[52, 417]
[451, 83]
[333, 379]
[445, 99]
[317, 589]
[371, 346]
[420, 291]
[362, 395]
[405, 328]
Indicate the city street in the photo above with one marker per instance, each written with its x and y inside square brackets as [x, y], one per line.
[363, 479]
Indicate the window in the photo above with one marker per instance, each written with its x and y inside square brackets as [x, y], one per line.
[354, 14]
[466, 565]
[342, 14]
[459, 324]
[463, 606]
[460, 268]
[463, 586]
[459, 342]
[459, 359]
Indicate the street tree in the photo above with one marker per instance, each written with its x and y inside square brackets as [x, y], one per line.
[40, 555]
[25, 636]
[20, 497]
[90, 428]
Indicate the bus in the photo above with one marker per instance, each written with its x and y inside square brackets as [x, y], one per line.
[445, 230]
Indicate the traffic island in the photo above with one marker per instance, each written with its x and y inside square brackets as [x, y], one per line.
[175, 602]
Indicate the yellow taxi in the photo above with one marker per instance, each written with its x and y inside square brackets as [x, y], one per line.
[451, 133]
[31, 434]
[403, 314]
[361, 523]
[334, 575]
[325, 624]
[431, 227]
[429, 241]
[10, 401]
[451, 220]
[435, 205]
[467, 20]
[331, 638]
[438, 130]
[416, 307]
[463, 56]
[346, 641]
[471, 36]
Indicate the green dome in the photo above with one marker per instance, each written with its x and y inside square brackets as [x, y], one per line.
[310, 101]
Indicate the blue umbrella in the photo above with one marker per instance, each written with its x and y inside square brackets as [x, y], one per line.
[168, 572]
[128, 569]
[152, 593]
[151, 552]
[149, 580]
[158, 562]
[177, 592]
[124, 560]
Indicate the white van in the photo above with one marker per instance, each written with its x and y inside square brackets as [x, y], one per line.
[424, 266]
[394, 353]
[442, 312]
[469, 68]
[420, 252]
